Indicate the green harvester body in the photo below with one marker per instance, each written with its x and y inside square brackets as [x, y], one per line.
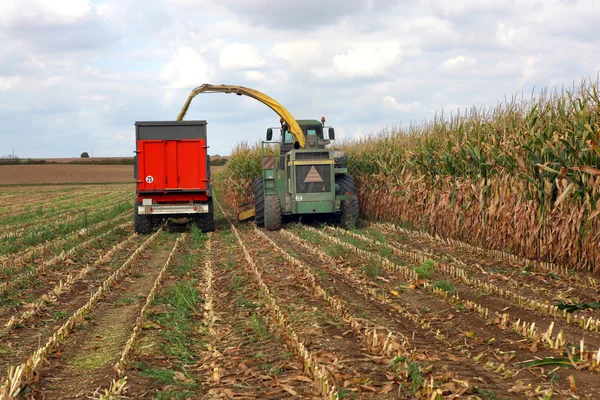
[304, 180]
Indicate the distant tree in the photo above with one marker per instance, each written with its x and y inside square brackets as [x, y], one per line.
[85, 155]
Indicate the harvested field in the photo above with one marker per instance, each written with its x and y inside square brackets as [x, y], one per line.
[89, 309]
[64, 174]
[107, 160]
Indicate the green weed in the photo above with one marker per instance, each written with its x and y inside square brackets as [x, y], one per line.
[372, 271]
[425, 270]
[445, 286]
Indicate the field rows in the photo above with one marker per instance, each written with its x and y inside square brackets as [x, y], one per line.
[309, 311]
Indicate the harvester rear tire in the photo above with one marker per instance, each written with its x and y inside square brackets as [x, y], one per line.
[349, 209]
[259, 202]
[142, 224]
[272, 212]
[206, 222]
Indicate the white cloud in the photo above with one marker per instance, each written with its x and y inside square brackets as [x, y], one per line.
[529, 70]
[298, 53]
[255, 76]
[99, 64]
[302, 15]
[458, 62]
[240, 56]
[9, 82]
[38, 12]
[188, 69]
[391, 104]
[506, 35]
[366, 60]
[465, 8]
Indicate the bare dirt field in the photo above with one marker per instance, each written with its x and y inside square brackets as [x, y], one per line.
[64, 173]
[90, 160]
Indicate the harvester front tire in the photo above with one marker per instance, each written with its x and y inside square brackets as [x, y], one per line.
[206, 222]
[142, 224]
[259, 202]
[272, 212]
[349, 209]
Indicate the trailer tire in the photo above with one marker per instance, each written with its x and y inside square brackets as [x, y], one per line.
[206, 222]
[349, 209]
[142, 224]
[157, 221]
[272, 212]
[259, 202]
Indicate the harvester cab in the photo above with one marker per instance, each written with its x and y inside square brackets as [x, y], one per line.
[313, 135]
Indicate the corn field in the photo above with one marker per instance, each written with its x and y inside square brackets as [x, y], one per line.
[521, 177]
[235, 182]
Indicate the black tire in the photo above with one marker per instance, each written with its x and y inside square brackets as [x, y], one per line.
[349, 209]
[157, 221]
[142, 224]
[272, 212]
[259, 202]
[206, 222]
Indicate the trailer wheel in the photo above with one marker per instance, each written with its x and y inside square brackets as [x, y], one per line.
[349, 208]
[142, 224]
[157, 221]
[272, 212]
[206, 222]
[259, 202]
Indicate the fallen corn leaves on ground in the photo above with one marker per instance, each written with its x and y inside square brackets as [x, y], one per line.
[315, 312]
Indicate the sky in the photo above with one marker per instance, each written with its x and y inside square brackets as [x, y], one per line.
[75, 75]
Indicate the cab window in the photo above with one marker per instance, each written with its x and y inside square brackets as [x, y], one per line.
[289, 138]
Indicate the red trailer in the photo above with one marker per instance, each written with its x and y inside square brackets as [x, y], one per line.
[172, 173]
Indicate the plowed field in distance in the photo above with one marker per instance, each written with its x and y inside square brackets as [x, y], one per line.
[64, 173]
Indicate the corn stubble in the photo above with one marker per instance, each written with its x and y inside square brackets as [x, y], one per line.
[520, 177]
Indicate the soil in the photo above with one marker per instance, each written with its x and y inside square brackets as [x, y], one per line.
[332, 299]
[64, 173]
[87, 359]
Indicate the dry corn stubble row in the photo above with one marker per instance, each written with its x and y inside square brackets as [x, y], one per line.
[374, 338]
[60, 202]
[589, 359]
[65, 286]
[311, 363]
[378, 340]
[53, 221]
[371, 293]
[28, 254]
[63, 255]
[125, 358]
[456, 272]
[20, 375]
[503, 256]
[22, 200]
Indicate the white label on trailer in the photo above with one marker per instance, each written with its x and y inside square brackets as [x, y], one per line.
[149, 179]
